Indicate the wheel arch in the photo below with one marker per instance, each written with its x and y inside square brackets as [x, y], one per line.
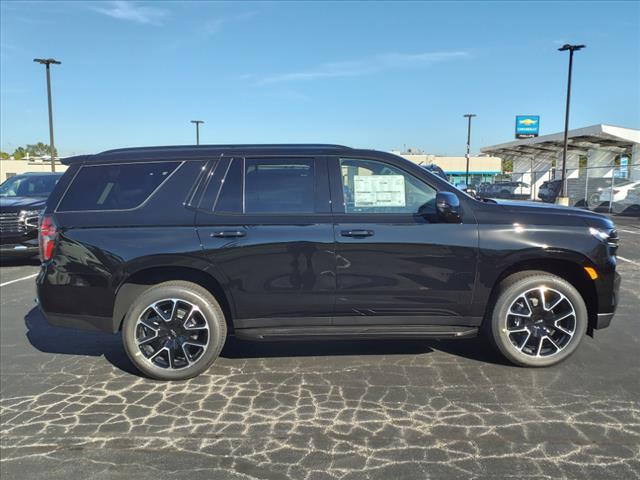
[139, 281]
[564, 264]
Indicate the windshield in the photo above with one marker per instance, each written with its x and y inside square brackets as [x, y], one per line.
[28, 186]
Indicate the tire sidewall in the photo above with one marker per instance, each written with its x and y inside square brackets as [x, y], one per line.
[212, 313]
[506, 298]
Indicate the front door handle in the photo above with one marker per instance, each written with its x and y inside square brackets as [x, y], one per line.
[228, 234]
[357, 233]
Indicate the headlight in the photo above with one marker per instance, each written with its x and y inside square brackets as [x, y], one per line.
[30, 217]
[29, 213]
[601, 235]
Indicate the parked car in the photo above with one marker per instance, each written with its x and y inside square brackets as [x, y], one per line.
[619, 190]
[511, 190]
[436, 170]
[179, 247]
[549, 190]
[22, 198]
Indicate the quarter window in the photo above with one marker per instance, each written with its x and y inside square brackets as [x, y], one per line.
[370, 186]
[115, 187]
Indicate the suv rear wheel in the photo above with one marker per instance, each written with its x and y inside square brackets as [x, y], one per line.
[538, 319]
[174, 331]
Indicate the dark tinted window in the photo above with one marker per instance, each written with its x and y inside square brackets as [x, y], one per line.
[230, 197]
[115, 187]
[279, 186]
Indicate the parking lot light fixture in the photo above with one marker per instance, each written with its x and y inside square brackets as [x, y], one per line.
[468, 116]
[197, 122]
[48, 62]
[563, 187]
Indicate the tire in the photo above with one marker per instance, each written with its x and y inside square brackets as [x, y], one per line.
[533, 341]
[174, 331]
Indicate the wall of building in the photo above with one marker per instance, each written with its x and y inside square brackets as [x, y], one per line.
[9, 168]
[481, 169]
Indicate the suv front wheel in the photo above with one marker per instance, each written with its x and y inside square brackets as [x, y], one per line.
[174, 331]
[538, 319]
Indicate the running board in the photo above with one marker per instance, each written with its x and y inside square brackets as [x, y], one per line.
[333, 332]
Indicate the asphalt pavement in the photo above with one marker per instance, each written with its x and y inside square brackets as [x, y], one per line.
[73, 407]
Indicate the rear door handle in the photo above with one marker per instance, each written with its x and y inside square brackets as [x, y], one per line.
[357, 233]
[228, 234]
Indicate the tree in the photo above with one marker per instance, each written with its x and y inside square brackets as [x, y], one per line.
[40, 150]
[19, 153]
[507, 165]
[4, 155]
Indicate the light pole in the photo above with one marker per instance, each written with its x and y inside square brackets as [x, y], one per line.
[197, 122]
[563, 187]
[469, 116]
[47, 62]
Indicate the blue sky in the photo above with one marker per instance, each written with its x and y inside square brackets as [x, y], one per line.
[378, 75]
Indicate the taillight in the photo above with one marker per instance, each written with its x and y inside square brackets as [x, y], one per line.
[47, 237]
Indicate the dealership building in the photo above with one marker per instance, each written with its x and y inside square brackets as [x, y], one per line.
[596, 155]
[481, 169]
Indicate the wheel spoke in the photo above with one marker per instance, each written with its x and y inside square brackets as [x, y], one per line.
[145, 340]
[160, 313]
[148, 324]
[563, 330]
[195, 343]
[558, 302]
[524, 344]
[562, 316]
[186, 355]
[553, 343]
[539, 349]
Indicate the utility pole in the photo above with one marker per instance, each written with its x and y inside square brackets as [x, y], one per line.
[197, 122]
[468, 116]
[48, 62]
[563, 188]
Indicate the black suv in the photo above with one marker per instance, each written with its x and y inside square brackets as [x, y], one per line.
[177, 247]
[22, 198]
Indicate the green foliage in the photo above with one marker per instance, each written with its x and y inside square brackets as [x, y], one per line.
[34, 150]
[507, 165]
[39, 150]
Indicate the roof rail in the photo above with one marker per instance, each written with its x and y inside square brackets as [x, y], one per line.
[230, 146]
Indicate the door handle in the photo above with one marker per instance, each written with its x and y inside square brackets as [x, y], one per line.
[228, 234]
[357, 233]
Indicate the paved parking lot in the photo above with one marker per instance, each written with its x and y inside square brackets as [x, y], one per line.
[72, 407]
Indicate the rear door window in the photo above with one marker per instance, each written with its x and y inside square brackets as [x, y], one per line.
[115, 187]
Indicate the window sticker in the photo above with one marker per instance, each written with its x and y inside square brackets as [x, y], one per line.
[379, 191]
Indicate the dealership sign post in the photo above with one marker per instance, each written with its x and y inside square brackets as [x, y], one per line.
[527, 126]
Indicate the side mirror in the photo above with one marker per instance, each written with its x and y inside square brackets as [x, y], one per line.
[448, 207]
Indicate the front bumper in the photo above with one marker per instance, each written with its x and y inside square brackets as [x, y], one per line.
[26, 249]
[608, 295]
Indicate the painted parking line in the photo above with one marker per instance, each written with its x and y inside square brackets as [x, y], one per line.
[627, 260]
[629, 231]
[18, 280]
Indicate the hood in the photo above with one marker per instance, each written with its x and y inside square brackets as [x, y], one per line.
[590, 218]
[15, 204]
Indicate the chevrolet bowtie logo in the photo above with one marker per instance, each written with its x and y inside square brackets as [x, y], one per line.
[527, 121]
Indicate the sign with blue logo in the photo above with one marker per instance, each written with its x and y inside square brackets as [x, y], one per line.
[527, 126]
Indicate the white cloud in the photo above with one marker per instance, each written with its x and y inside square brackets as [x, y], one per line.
[132, 11]
[364, 66]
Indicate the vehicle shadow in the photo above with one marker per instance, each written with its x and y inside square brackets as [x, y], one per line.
[473, 349]
[65, 341]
